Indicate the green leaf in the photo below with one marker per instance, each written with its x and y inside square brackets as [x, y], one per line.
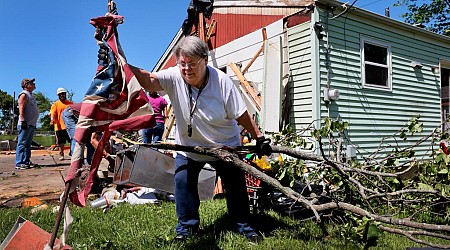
[282, 174]
[443, 171]
[439, 157]
[423, 186]
[373, 232]
[291, 184]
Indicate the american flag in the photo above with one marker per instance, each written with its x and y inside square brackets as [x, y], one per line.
[114, 101]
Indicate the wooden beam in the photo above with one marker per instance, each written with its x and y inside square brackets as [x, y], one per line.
[264, 33]
[168, 124]
[201, 26]
[211, 27]
[246, 85]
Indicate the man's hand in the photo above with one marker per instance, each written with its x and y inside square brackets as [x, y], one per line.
[263, 146]
[23, 125]
[103, 53]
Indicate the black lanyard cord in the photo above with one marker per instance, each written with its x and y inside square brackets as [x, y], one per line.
[193, 106]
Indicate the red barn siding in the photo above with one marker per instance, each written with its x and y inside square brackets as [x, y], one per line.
[229, 27]
[235, 22]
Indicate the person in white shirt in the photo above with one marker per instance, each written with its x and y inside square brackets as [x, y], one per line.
[208, 108]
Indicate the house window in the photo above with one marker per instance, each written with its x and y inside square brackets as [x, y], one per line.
[376, 65]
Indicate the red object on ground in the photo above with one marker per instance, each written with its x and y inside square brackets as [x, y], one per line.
[25, 235]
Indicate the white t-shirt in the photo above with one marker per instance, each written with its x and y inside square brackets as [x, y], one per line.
[214, 119]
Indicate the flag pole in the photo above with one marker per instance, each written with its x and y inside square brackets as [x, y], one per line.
[51, 243]
[111, 7]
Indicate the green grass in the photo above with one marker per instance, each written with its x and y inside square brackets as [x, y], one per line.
[44, 140]
[152, 227]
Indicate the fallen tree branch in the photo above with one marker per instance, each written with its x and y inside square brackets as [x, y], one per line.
[228, 154]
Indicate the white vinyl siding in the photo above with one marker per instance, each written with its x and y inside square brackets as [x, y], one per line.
[300, 81]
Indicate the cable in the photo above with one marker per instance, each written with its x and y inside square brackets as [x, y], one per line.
[346, 9]
[371, 3]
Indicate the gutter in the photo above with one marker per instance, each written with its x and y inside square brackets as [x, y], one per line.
[383, 19]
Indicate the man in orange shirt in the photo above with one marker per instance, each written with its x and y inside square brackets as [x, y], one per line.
[56, 119]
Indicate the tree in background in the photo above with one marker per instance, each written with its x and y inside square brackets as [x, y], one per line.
[44, 104]
[434, 14]
[6, 105]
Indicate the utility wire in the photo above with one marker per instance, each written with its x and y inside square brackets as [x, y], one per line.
[371, 3]
[346, 9]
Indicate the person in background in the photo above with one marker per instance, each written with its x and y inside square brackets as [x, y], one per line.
[28, 116]
[56, 119]
[159, 105]
[70, 117]
[208, 108]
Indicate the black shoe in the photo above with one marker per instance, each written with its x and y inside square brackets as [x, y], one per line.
[181, 238]
[23, 166]
[33, 165]
[254, 237]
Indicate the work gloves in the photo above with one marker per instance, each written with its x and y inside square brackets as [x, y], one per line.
[23, 125]
[263, 146]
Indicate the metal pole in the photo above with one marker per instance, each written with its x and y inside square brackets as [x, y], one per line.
[13, 111]
[51, 243]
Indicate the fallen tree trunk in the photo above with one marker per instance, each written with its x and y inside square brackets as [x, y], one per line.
[391, 224]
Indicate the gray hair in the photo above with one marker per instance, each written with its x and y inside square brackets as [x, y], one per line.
[191, 46]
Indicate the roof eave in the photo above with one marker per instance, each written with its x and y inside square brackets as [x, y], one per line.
[383, 19]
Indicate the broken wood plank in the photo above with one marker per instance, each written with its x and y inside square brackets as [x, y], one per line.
[247, 87]
[211, 27]
[264, 33]
[201, 27]
[168, 123]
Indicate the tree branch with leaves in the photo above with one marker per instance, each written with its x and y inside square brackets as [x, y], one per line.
[375, 194]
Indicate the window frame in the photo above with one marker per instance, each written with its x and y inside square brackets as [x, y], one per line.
[388, 65]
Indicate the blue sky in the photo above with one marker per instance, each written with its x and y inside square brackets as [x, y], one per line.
[52, 40]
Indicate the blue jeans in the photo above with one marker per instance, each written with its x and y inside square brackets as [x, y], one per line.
[23, 148]
[90, 150]
[153, 134]
[187, 201]
[71, 122]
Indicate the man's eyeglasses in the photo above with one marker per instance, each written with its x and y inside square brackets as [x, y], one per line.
[191, 65]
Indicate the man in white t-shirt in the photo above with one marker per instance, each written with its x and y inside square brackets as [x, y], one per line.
[208, 108]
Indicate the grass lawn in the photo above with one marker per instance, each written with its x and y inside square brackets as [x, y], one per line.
[152, 227]
[44, 140]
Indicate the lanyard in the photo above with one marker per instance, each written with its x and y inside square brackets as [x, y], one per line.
[192, 107]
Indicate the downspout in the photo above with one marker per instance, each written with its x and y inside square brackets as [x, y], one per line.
[315, 73]
[327, 55]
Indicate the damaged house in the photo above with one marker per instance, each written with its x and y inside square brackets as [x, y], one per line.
[297, 62]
